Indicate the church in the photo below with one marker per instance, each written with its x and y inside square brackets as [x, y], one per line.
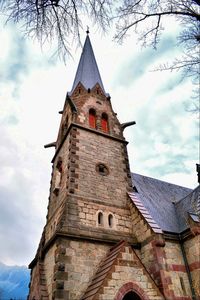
[111, 234]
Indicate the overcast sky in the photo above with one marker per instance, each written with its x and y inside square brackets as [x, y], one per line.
[33, 84]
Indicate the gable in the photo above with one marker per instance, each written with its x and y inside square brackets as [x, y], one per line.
[121, 266]
[188, 207]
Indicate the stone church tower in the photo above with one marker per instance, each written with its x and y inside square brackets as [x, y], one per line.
[100, 240]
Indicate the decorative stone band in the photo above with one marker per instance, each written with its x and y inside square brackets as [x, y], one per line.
[194, 266]
[178, 268]
[144, 212]
[131, 287]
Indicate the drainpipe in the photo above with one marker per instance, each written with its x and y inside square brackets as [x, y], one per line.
[188, 270]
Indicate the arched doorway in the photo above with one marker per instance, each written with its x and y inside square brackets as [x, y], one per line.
[131, 296]
[131, 291]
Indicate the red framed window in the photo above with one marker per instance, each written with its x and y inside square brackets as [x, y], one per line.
[104, 122]
[92, 118]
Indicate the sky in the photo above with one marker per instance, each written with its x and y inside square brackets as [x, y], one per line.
[33, 84]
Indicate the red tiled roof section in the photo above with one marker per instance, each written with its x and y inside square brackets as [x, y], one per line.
[144, 212]
[103, 270]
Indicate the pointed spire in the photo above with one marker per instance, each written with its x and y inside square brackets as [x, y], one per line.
[87, 72]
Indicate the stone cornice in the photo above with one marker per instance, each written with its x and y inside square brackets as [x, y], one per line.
[73, 236]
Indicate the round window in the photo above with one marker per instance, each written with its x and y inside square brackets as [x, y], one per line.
[102, 169]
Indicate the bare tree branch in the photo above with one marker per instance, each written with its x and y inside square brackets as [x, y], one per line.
[61, 20]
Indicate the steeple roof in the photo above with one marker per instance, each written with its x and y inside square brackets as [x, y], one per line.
[87, 72]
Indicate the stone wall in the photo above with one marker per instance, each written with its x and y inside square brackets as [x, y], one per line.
[192, 249]
[57, 197]
[49, 266]
[163, 259]
[67, 118]
[95, 99]
[89, 211]
[35, 283]
[111, 188]
[176, 266]
[129, 270]
[141, 228]
[80, 260]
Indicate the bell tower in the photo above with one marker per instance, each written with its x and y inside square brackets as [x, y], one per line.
[87, 211]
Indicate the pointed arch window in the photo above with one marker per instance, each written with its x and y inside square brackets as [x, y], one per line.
[100, 218]
[58, 176]
[65, 126]
[104, 122]
[92, 118]
[110, 220]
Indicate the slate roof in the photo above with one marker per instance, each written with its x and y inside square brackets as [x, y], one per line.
[168, 204]
[87, 72]
[152, 223]
[188, 205]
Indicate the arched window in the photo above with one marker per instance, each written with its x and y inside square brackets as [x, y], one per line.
[58, 176]
[65, 126]
[92, 118]
[100, 218]
[110, 220]
[104, 122]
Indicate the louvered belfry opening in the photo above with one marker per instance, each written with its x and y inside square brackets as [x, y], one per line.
[92, 118]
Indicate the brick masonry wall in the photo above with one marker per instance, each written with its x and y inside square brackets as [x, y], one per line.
[192, 249]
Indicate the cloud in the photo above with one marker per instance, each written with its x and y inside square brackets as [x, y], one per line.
[140, 62]
[165, 138]
[30, 98]
[14, 62]
[32, 91]
[20, 200]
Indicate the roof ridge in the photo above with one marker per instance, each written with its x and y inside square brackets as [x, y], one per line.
[192, 191]
[162, 181]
